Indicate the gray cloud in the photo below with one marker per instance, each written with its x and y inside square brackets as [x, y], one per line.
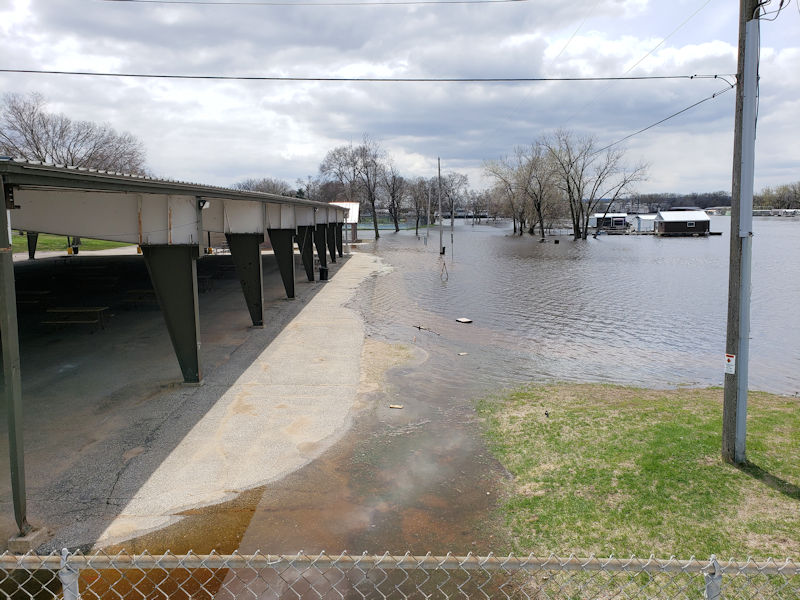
[220, 132]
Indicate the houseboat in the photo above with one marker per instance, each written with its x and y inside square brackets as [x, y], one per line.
[682, 223]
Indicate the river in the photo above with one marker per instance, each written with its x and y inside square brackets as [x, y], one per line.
[638, 310]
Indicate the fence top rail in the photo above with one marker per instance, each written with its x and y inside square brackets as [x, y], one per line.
[364, 562]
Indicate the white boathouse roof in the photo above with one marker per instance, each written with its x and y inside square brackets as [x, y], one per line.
[682, 215]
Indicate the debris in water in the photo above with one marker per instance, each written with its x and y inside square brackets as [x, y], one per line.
[464, 320]
[421, 328]
[395, 406]
[462, 353]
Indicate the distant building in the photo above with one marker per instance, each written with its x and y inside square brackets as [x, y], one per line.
[682, 222]
[643, 223]
[609, 221]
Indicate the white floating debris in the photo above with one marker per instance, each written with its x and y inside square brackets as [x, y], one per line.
[462, 353]
[396, 406]
[464, 320]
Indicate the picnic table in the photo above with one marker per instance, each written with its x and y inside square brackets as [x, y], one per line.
[77, 315]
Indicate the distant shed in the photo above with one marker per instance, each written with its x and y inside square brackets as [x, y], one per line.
[609, 221]
[682, 222]
[643, 223]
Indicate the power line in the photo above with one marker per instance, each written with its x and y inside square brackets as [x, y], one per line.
[671, 33]
[324, 3]
[638, 62]
[360, 79]
[683, 110]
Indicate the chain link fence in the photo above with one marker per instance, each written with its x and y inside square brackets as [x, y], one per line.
[226, 577]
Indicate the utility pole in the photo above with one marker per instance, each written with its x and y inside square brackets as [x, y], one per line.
[737, 346]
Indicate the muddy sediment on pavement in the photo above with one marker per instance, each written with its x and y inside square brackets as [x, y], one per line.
[415, 479]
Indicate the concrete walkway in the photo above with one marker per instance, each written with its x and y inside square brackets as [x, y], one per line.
[117, 448]
[289, 405]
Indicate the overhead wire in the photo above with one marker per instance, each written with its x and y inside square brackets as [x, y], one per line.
[358, 79]
[649, 52]
[783, 4]
[673, 115]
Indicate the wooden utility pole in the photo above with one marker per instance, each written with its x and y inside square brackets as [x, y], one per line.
[734, 416]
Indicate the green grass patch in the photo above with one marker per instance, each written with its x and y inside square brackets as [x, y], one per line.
[48, 242]
[634, 471]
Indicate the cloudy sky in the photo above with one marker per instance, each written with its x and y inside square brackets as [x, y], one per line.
[220, 132]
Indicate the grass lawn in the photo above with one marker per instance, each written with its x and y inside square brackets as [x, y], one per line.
[49, 242]
[633, 471]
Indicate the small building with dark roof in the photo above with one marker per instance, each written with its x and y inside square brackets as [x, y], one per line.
[682, 223]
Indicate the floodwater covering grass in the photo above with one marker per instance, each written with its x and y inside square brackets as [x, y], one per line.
[606, 469]
[48, 242]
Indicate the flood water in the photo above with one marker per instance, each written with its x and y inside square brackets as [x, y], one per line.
[634, 310]
[638, 310]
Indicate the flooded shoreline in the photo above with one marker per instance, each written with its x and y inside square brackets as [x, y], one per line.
[420, 478]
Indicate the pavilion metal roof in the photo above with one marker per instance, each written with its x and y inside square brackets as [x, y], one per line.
[17, 173]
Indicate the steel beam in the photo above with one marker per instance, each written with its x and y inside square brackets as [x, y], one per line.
[339, 245]
[246, 254]
[320, 243]
[331, 236]
[173, 271]
[33, 239]
[12, 381]
[283, 246]
[305, 241]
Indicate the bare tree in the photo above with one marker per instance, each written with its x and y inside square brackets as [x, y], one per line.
[454, 187]
[341, 165]
[507, 190]
[29, 132]
[534, 176]
[266, 184]
[369, 161]
[587, 176]
[418, 192]
[395, 186]
[358, 171]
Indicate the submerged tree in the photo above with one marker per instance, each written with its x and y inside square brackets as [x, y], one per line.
[506, 191]
[419, 194]
[29, 132]
[394, 185]
[587, 176]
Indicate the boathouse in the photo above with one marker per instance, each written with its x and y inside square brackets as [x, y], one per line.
[609, 221]
[682, 222]
[643, 223]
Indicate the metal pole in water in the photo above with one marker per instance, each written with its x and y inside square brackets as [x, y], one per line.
[441, 215]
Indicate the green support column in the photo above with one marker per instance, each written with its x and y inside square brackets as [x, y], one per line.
[320, 243]
[339, 246]
[305, 241]
[283, 246]
[173, 271]
[331, 237]
[33, 239]
[12, 380]
[246, 254]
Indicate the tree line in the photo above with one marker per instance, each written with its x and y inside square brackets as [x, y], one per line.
[562, 177]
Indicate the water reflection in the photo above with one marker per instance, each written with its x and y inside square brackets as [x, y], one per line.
[626, 309]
